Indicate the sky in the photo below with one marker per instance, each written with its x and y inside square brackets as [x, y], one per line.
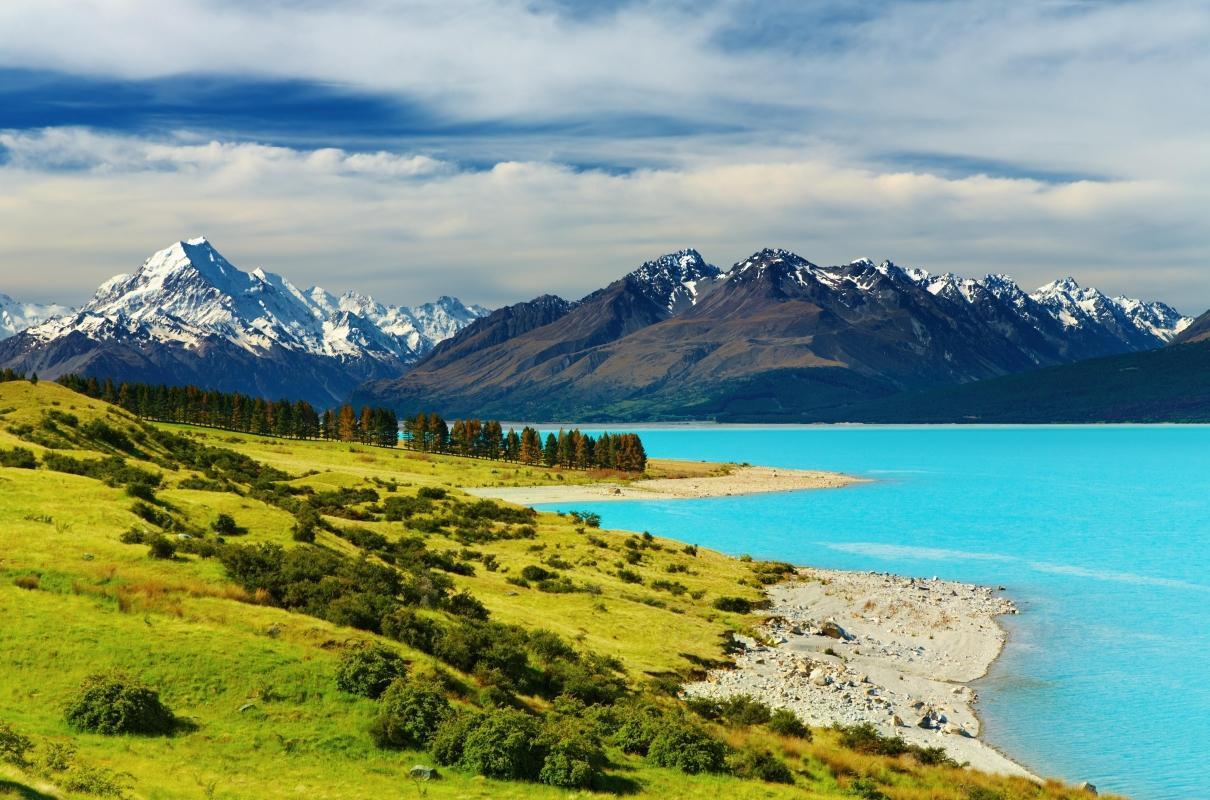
[500, 149]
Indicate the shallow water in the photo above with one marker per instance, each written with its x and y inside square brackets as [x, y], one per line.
[1100, 534]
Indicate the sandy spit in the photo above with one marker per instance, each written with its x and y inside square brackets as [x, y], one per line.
[905, 650]
[741, 481]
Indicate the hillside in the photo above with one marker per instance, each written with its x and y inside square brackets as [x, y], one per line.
[242, 634]
[1171, 384]
[1198, 331]
[774, 336]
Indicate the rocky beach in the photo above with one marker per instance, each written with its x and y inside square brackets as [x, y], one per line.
[900, 653]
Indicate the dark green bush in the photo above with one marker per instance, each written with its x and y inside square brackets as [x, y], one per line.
[533, 572]
[683, 746]
[786, 723]
[160, 546]
[742, 710]
[409, 714]
[405, 625]
[13, 746]
[574, 759]
[759, 764]
[737, 605]
[113, 704]
[431, 493]
[224, 525]
[368, 670]
[18, 458]
[630, 576]
[865, 738]
[505, 746]
[637, 727]
[448, 740]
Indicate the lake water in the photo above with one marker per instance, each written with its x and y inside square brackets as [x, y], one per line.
[1100, 534]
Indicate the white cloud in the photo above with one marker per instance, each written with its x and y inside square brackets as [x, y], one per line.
[406, 228]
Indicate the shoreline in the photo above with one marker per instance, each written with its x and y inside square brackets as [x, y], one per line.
[740, 481]
[900, 653]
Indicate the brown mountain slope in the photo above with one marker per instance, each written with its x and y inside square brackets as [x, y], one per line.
[775, 330]
[1199, 331]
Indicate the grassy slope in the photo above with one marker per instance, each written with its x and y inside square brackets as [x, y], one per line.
[258, 681]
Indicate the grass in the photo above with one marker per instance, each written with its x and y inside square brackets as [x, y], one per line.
[257, 682]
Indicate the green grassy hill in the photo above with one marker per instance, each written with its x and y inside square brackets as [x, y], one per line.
[245, 652]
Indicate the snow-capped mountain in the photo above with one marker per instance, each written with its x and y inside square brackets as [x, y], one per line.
[1091, 322]
[188, 306]
[16, 316]
[775, 337]
[676, 281]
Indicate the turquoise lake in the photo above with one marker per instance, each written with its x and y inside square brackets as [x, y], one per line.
[1100, 534]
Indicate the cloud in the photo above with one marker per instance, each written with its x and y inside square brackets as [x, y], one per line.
[407, 228]
[501, 148]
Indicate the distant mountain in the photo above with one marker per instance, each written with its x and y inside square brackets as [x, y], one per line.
[16, 316]
[187, 315]
[773, 337]
[1197, 331]
[1169, 384]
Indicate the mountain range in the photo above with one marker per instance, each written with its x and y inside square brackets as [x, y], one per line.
[187, 315]
[774, 337]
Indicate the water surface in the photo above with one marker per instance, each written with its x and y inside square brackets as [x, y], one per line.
[1100, 534]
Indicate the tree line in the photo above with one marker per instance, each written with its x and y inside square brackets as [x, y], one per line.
[192, 405]
[425, 432]
[430, 433]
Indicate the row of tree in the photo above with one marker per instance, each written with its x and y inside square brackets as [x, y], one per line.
[572, 449]
[192, 405]
[425, 432]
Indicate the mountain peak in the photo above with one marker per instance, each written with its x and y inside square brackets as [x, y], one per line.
[674, 281]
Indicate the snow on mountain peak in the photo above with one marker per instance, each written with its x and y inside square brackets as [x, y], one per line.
[675, 281]
[189, 292]
[16, 316]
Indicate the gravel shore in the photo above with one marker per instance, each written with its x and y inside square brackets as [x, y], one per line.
[740, 481]
[851, 647]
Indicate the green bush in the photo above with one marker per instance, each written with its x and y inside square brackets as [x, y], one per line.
[533, 572]
[680, 745]
[637, 727]
[224, 525]
[450, 737]
[13, 746]
[113, 704]
[160, 546]
[18, 458]
[504, 745]
[752, 763]
[409, 714]
[743, 710]
[368, 670]
[737, 605]
[574, 759]
[786, 723]
[431, 493]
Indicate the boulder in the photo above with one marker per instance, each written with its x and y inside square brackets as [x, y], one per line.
[1087, 787]
[831, 628]
[925, 721]
[422, 773]
[820, 678]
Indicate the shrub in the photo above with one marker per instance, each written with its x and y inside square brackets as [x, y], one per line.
[705, 707]
[410, 712]
[680, 745]
[637, 727]
[786, 723]
[405, 625]
[18, 458]
[742, 710]
[630, 576]
[142, 491]
[535, 573]
[504, 745]
[224, 525]
[368, 670]
[465, 604]
[574, 759]
[737, 605]
[305, 524]
[448, 740]
[13, 746]
[153, 515]
[113, 704]
[160, 546]
[759, 764]
[431, 493]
